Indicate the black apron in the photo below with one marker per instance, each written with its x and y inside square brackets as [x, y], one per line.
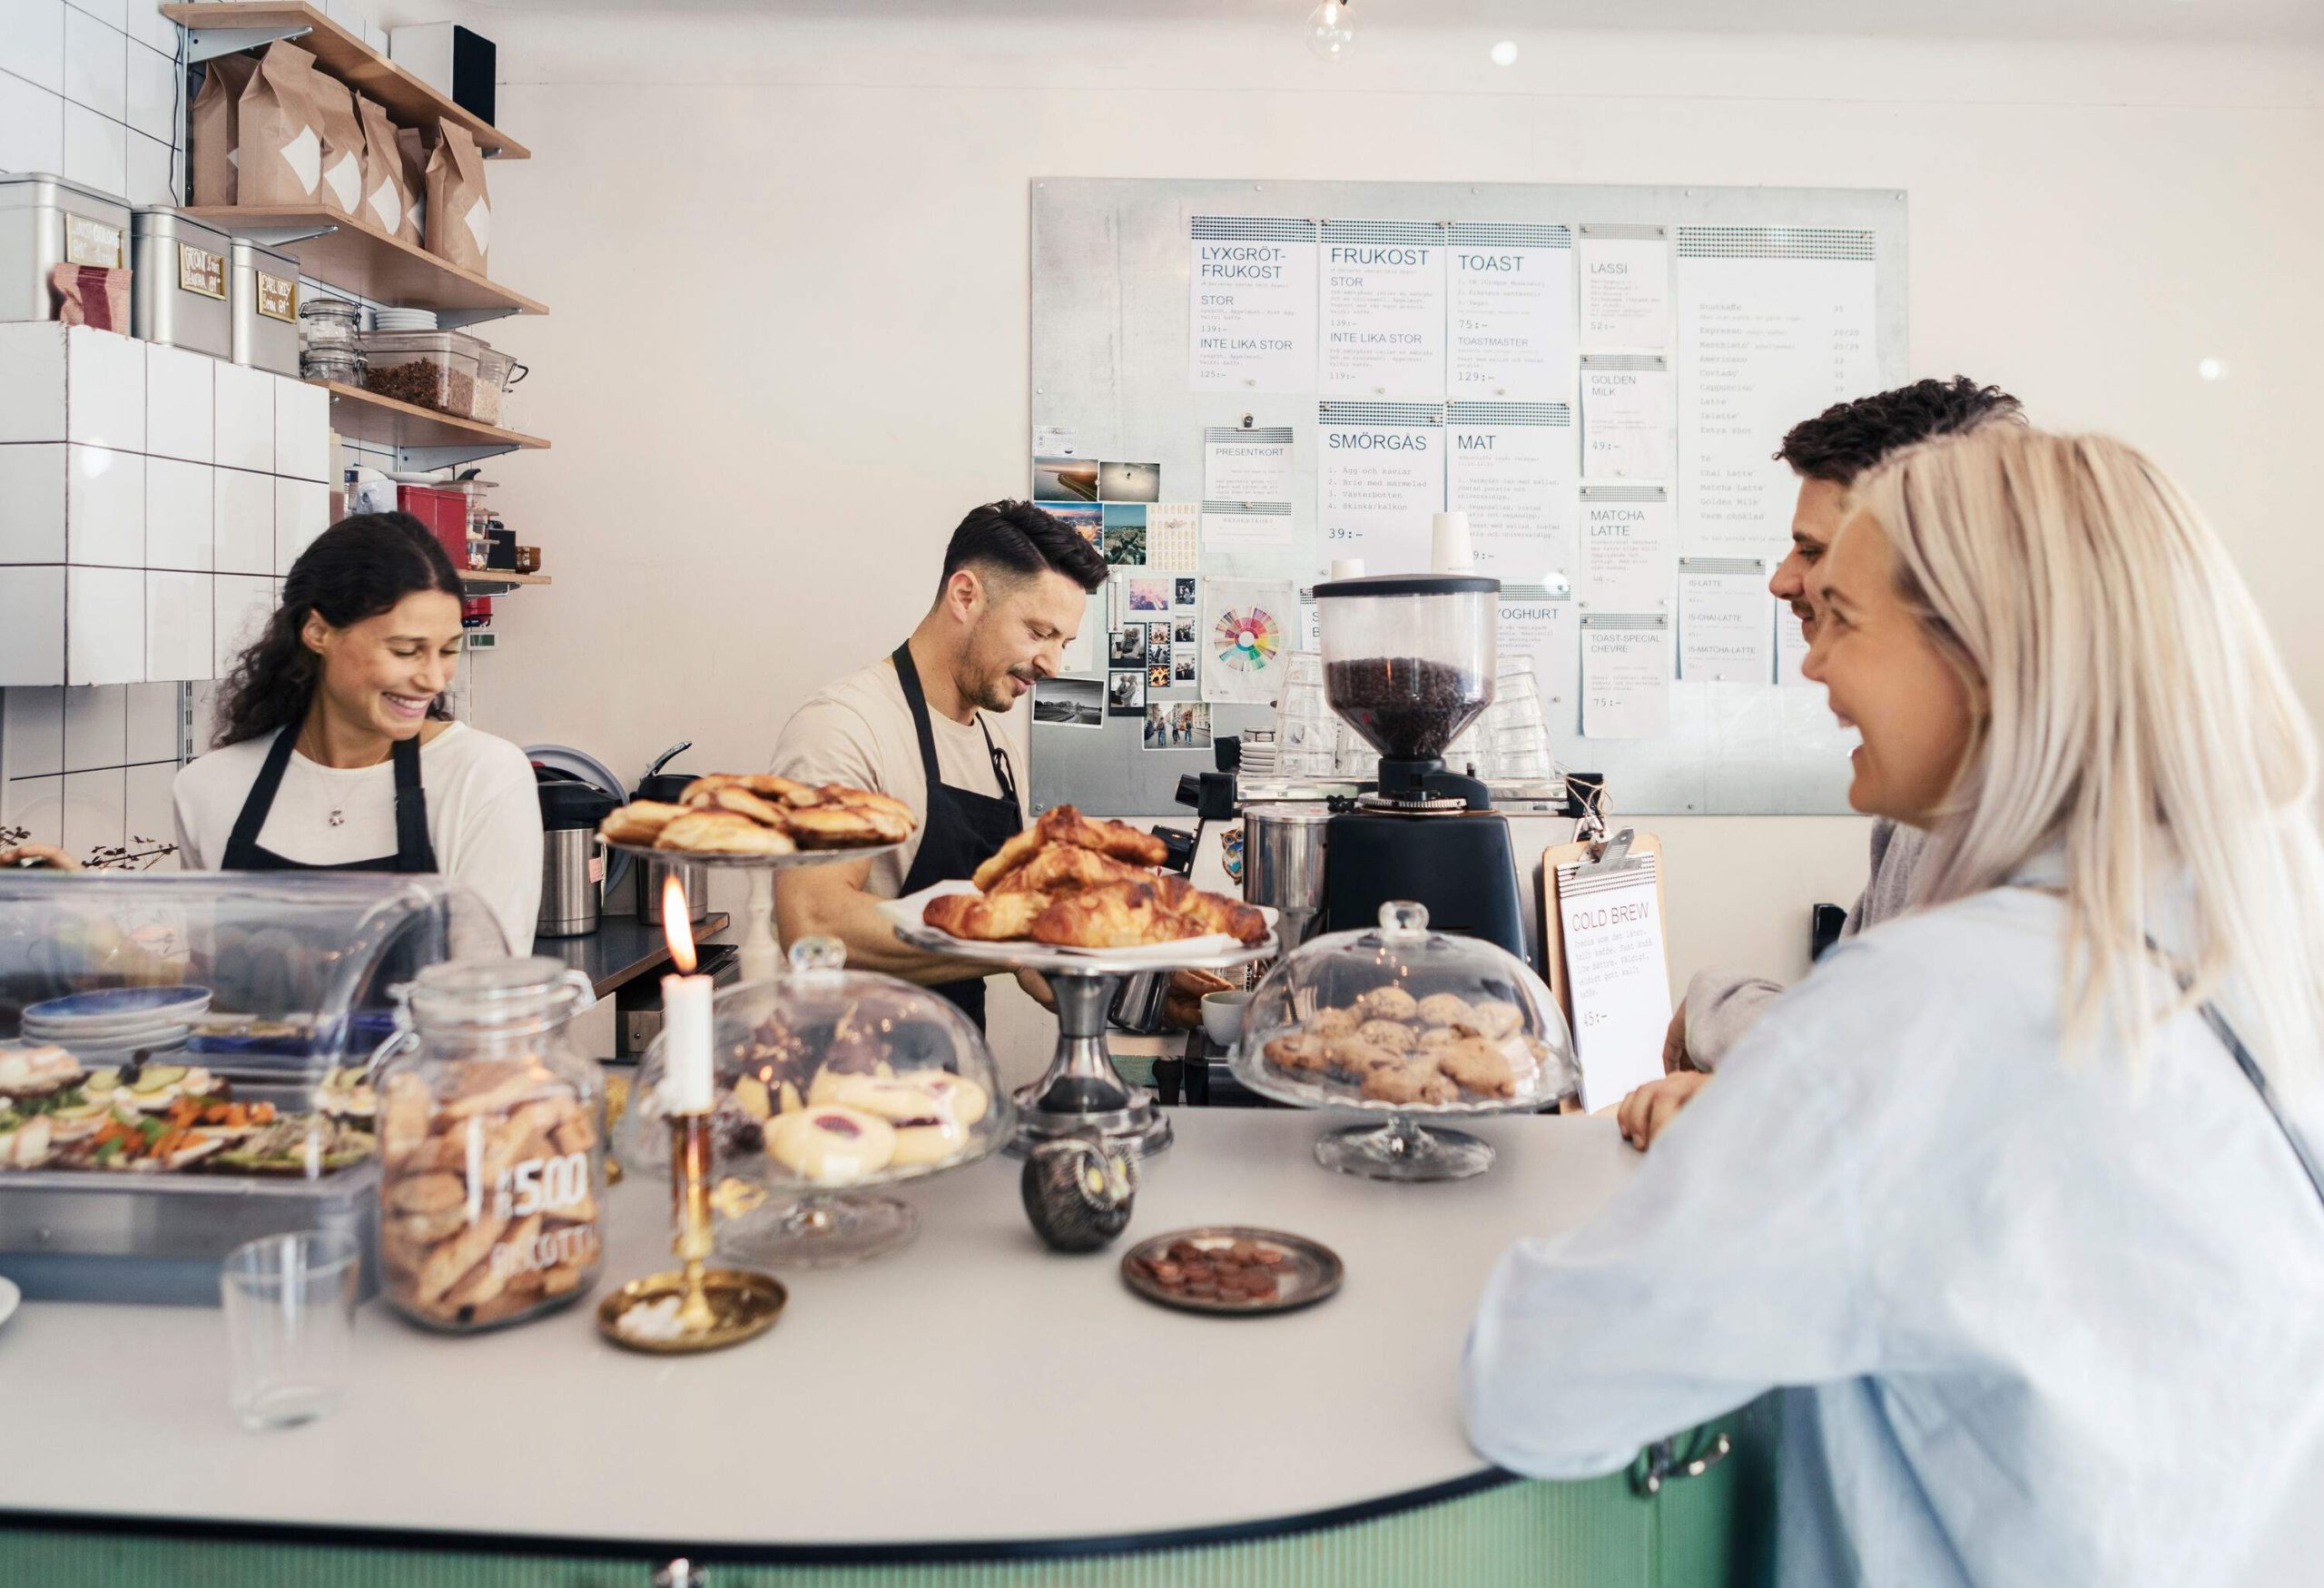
[962, 829]
[414, 856]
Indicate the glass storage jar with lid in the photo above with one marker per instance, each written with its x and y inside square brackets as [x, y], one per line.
[491, 1146]
[1409, 1024]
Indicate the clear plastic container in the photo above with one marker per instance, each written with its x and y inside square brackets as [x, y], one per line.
[1401, 1021]
[1408, 660]
[429, 368]
[330, 323]
[496, 372]
[491, 1137]
[255, 1000]
[344, 367]
[826, 1081]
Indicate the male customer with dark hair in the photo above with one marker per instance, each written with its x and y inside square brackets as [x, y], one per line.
[935, 725]
[1827, 452]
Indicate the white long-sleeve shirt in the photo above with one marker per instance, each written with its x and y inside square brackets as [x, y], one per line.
[484, 815]
[2037, 1322]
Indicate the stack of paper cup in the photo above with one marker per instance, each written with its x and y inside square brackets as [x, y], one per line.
[1449, 551]
[1347, 568]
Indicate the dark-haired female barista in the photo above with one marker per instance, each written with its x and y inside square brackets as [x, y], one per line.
[336, 751]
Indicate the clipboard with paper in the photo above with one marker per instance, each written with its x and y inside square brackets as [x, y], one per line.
[1601, 910]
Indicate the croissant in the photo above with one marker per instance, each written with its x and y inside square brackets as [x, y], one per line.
[1118, 915]
[1216, 912]
[1066, 824]
[980, 919]
[639, 822]
[1062, 868]
[740, 800]
[723, 832]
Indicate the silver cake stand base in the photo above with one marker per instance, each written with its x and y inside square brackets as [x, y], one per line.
[1081, 1090]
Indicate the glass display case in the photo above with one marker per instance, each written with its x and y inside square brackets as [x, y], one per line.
[184, 1063]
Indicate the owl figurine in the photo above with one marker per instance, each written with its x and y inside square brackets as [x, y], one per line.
[1077, 1191]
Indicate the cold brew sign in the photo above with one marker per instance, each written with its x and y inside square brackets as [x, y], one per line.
[1254, 304]
[1383, 310]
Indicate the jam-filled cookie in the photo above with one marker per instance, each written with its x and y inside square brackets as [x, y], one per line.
[832, 1144]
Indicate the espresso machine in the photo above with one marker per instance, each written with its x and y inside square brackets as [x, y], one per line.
[1408, 661]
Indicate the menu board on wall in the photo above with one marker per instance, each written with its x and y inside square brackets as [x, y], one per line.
[1253, 284]
[1510, 314]
[1509, 466]
[1379, 480]
[1383, 310]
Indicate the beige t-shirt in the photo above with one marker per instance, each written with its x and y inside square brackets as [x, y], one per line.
[858, 732]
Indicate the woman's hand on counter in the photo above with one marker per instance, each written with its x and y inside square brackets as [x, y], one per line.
[1646, 1111]
[48, 856]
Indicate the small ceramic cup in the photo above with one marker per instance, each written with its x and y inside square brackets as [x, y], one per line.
[1222, 1016]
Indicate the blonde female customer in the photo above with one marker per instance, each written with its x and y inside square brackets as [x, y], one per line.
[2037, 1263]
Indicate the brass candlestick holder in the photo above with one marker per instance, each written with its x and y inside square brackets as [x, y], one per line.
[692, 1308]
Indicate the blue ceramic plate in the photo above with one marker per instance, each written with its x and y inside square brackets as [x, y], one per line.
[113, 1003]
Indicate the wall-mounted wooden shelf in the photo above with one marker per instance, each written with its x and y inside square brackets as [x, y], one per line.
[355, 255]
[493, 582]
[384, 422]
[222, 29]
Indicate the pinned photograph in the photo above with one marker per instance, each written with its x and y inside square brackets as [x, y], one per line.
[1147, 592]
[1177, 724]
[1129, 482]
[1182, 670]
[1184, 592]
[1126, 695]
[1069, 702]
[1182, 632]
[1129, 648]
[1087, 519]
[1158, 677]
[1158, 645]
[1126, 546]
[1065, 480]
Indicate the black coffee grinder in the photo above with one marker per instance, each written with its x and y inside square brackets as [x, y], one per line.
[1408, 660]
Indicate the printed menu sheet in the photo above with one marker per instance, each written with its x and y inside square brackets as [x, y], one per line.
[1625, 677]
[1253, 287]
[1724, 635]
[1510, 467]
[1625, 289]
[1246, 466]
[1240, 530]
[1791, 647]
[1383, 310]
[1379, 480]
[1626, 410]
[1510, 320]
[1629, 548]
[1616, 975]
[1773, 329]
[1540, 626]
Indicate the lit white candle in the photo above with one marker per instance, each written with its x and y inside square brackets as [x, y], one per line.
[686, 1087]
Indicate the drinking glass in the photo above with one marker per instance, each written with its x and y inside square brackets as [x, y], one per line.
[289, 1306]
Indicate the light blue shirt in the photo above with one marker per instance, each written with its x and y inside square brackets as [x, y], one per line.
[2037, 1321]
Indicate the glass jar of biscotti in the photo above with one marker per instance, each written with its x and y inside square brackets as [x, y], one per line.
[492, 1143]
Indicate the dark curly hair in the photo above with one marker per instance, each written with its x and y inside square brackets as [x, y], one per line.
[359, 567]
[1848, 438]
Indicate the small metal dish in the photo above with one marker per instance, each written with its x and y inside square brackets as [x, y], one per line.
[1312, 1273]
[743, 1304]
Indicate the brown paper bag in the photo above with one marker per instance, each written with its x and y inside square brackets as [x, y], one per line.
[217, 126]
[459, 217]
[411, 144]
[280, 157]
[383, 192]
[341, 188]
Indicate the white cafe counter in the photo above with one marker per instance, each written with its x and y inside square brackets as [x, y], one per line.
[973, 1399]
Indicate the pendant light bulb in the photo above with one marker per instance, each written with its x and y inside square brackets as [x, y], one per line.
[1331, 35]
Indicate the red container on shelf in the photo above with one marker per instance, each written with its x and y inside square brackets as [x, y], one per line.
[446, 514]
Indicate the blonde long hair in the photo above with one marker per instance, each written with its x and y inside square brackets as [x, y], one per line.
[2131, 708]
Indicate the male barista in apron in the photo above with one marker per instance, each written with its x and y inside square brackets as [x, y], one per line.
[935, 725]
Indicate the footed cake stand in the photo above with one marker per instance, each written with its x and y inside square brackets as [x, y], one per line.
[1082, 1090]
[1406, 1143]
[761, 957]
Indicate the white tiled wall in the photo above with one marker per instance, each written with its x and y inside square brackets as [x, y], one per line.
[89, 90]
[91, 767]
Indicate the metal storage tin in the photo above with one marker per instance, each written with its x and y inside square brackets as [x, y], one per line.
[264, 285]
[183, 271]
[46, 222]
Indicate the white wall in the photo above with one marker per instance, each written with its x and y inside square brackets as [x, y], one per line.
[787, 259]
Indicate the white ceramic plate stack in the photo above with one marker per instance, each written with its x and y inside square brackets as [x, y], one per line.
[403, 319]
[109, 1028]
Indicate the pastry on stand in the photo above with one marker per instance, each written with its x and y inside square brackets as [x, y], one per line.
[828, 1085]
[1411, 1025]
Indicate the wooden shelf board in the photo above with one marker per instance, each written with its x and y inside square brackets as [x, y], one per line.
[366, 416]
[363, 260]
[356, 64]
[493, 577]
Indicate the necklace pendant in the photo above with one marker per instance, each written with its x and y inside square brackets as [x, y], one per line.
[338, 818]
